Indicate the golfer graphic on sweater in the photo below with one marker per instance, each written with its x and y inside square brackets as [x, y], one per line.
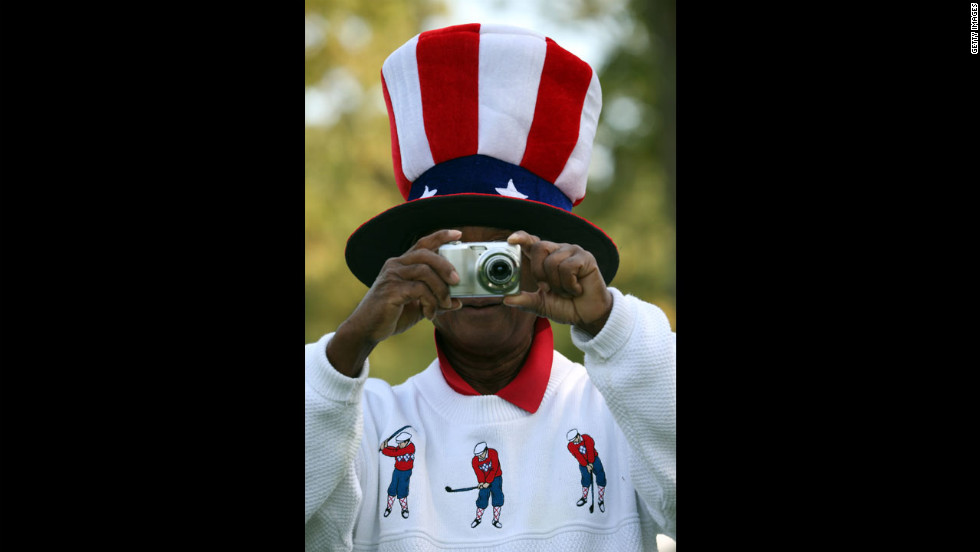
[582, 448]
[404, 455]
[486, 466]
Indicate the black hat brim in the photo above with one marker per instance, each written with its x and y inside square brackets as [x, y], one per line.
[394, 231]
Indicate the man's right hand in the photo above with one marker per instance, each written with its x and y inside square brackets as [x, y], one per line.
[408, 288]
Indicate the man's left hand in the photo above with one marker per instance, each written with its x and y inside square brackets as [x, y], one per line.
[570, 288]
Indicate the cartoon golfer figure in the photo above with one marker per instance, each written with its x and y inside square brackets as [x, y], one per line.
[404, 455]
[583, 449]
[486, 466]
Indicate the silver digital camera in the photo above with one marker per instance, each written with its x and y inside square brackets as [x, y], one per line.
[486, 269]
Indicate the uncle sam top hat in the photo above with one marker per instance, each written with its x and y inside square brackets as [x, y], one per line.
[491, 125]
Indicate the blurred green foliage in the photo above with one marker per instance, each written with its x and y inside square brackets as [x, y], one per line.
[348, 164]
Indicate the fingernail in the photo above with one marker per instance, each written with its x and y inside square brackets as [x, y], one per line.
[454, 278]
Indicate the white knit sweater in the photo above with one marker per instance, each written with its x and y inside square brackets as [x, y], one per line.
[624, 398]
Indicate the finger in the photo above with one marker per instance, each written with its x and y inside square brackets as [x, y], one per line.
[441, 265]
[419, 292]
[554, 266]
[532, 248]
[523, 238]
[437, 238]
[427, 275]
[570, 270]
[414, 267]
[428, 309]
[529, 301]
[536, 258]
[525, 300]
[456, 304]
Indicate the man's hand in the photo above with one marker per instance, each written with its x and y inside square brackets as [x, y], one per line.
[484, 485]
[570, 288]
[408, 288]
[589, 467]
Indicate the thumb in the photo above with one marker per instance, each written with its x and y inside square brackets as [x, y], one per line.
[529, 301]
[526, 301]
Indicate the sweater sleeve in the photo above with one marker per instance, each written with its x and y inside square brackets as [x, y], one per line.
[480, 477]
[333, 434]
[495, 469]
[632, 362]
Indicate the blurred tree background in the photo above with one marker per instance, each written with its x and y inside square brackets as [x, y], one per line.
[349, 178]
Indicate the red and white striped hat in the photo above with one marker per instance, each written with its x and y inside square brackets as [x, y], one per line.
[491, 125]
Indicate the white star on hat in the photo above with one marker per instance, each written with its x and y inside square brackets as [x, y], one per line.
[510, 190]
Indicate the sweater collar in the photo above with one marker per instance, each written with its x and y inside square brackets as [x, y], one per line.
[526, 391]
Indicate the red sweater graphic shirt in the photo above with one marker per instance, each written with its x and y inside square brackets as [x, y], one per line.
[584, 452]
[486, 470]
[404, 457]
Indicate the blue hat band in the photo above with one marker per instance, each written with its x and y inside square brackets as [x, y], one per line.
[480, 174]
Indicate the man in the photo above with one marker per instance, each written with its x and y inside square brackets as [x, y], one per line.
[404, 455]
[582, 448]
[486, 466]
[492, 131]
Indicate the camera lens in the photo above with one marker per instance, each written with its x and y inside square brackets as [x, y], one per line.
[500, 271]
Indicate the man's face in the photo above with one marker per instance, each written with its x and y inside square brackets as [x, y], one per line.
[403, 444]
[485, 322]
[483, 455]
